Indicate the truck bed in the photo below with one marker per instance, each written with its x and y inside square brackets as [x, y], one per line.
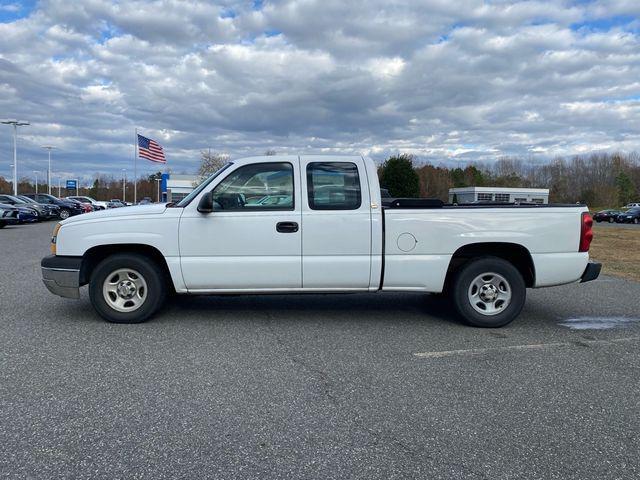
[419, 242]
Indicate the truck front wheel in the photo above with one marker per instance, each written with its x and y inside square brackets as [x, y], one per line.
[488, 292]
[127, 288]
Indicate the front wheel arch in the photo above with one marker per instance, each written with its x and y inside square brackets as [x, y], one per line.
[96, 254]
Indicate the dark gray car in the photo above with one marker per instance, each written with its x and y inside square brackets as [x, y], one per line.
[50, 211]
[16, 202]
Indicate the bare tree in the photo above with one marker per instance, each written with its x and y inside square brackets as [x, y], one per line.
[211, 162]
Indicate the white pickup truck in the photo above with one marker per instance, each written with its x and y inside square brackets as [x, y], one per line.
[308, 224]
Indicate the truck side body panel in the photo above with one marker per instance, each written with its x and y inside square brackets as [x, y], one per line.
[419, 244]
[235, 250]
[336, 244]
[148, 225]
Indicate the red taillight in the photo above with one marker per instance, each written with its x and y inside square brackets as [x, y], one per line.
[586, 232]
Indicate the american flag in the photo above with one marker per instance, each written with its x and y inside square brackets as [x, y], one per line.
[150, 149]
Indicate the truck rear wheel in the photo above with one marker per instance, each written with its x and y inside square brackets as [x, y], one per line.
[488, 292]
[127, 288]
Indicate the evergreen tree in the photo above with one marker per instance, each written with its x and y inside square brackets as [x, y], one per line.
[398, 176]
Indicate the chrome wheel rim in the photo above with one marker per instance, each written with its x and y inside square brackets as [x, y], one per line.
[124, 290]
[64, 214]
[489, 293]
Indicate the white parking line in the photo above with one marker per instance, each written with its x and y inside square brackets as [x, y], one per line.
[534, 346]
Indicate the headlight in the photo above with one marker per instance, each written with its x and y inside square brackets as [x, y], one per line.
[54, 238]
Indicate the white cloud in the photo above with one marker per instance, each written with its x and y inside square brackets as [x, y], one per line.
[10, 7]
[469, 79]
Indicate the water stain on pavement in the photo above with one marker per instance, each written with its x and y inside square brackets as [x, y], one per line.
[598, 323]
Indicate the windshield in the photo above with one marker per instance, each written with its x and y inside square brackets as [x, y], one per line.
[186, 200]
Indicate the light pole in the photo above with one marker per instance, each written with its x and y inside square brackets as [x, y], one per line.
[49, 148]
[58, 187]
[158, 180]
[15, 124]
[124, 184]
[36, 172]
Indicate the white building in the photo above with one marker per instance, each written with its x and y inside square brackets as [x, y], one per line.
[176, 187]
[498, 194]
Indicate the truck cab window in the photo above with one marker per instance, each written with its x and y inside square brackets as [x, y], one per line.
[259, 186]
[333, 186]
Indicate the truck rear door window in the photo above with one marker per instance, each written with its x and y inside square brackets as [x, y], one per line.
[259, 186]
[333, 186]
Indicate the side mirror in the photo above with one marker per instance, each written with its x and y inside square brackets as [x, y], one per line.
[205, 205]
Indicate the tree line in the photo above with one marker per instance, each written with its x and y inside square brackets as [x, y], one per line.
[104, 187]
[598, 179]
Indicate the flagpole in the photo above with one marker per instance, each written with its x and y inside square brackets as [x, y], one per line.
[135, 169]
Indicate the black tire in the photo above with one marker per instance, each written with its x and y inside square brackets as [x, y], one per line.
[2, 224]
[64, 214]
[152, 275]
[462, 289]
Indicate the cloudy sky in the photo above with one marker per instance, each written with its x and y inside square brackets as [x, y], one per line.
[446, 80]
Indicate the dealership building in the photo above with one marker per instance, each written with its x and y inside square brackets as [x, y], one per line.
[175, 187]
[499, 195]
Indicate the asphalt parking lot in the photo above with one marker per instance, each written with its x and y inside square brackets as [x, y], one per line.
[320, 386]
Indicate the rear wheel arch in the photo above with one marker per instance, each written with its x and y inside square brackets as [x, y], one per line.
[95, 255]
[518, 255]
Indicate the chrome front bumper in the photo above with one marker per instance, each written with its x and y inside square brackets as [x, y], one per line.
[61, 275]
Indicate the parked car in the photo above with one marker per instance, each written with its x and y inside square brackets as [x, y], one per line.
[49, 211]
[630, 216]
[16, 202]
[23, 214]
[27, 214]
[86, 207]
[319, 241]
[117, 203]
[67, 207]
[607, 215]
[145, 201]
[632, 205]
[96, 204]
[8, 215]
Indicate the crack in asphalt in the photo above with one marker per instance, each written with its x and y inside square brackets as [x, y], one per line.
[322, 376]
[377, 437]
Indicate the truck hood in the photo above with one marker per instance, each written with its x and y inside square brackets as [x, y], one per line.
[150, 209]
